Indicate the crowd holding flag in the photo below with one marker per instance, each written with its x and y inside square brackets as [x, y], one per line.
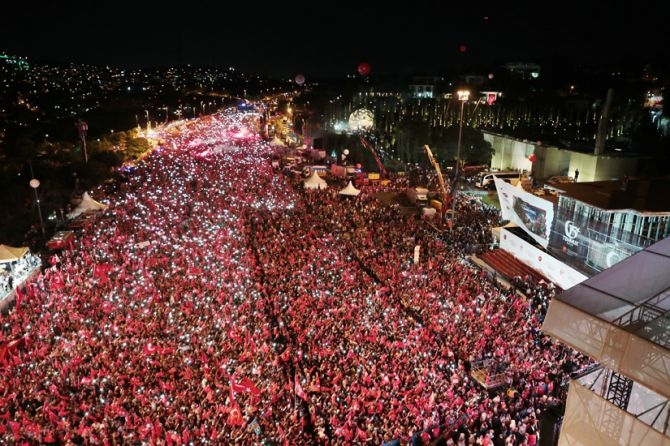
[299, 391]
[258, 302]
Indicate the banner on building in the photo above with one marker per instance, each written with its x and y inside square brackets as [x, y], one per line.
[533, 214]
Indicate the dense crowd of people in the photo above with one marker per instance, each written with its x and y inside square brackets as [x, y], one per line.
[216, 301]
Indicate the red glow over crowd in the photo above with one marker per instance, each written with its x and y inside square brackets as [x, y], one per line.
[216, 301]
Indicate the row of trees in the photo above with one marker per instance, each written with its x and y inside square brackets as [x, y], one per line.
[405, 146]
[63, 175]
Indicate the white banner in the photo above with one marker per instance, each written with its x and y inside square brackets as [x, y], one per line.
[533, 214]
[552, 268]
[417, 250]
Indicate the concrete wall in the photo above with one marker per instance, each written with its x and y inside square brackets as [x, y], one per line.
[609, 168]
[511, 153]
[551, 161]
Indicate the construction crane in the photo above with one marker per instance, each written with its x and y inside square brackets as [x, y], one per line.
[443, 190]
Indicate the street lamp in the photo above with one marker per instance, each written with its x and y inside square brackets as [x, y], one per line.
[82, 129]
[35, 183]
[463, 96]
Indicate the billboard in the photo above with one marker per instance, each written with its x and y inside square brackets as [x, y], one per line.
[533, 214]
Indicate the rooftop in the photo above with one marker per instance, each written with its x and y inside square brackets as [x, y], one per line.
[640, 194]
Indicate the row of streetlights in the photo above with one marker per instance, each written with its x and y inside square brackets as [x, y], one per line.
[204, 107]
[82, 130]
[463, 96]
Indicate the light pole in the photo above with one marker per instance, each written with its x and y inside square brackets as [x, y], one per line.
[463, 96]
[35, 183]
[82, 128]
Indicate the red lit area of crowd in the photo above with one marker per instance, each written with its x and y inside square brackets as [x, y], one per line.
[216, 301]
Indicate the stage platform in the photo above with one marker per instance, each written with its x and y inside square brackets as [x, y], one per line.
[483, 373]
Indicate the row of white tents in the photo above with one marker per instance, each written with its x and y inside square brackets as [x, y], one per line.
[314, 181]
[15, 253]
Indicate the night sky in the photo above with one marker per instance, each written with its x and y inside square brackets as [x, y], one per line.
[322, 38]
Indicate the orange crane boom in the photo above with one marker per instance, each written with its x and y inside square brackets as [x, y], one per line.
[443, 190]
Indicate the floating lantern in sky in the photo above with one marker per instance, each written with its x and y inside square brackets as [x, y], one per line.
[364, 68]
[300, 79]
[462, 47]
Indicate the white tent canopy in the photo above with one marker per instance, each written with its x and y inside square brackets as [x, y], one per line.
[428, 212]
[315, 181]
[277, 142]
[87, 204]
[350, 190]
[11, 253]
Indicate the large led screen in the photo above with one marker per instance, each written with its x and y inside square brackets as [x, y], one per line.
[533, 214]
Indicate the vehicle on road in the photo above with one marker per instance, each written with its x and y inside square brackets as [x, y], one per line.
[485, 180]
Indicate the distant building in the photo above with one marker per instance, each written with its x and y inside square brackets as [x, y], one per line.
[422, 91]
[424, 86]
[587, 227]
[551, 160]
[475, 80]
[598, 224]
[523, 70]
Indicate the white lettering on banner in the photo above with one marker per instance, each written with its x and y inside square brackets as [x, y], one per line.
[571, 233]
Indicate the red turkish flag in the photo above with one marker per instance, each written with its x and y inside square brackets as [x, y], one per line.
[244, 385]
[149, 349]
[235, 413]
[57, 281]
[299, 390]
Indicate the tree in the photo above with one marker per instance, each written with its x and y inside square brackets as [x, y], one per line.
[474, 150]
[136, 147]
[97, 146]
[119, 139]
[19, 147]
[411, 135]
[109, 158]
